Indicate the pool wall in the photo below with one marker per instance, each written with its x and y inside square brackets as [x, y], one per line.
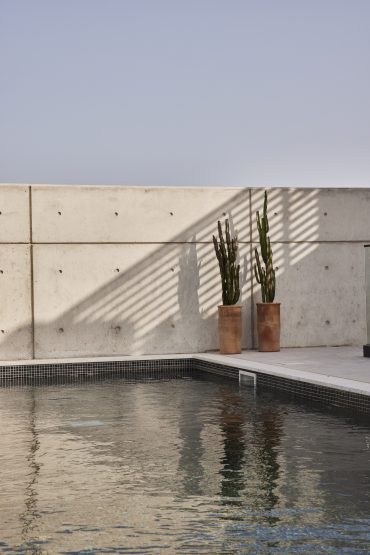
[152, 368]
[97, 271]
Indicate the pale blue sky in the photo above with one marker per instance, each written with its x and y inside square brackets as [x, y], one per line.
[185, 92]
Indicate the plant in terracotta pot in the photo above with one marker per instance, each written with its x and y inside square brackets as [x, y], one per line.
[229, 313]
[268, 312]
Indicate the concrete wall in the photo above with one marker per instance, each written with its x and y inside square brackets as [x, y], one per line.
[15, 273]
[119, 270]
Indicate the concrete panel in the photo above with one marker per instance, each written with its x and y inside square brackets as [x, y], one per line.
[15, 302]
[14, 214]
[315, 214]
[128, 299]
[123, 214]
[321, 288]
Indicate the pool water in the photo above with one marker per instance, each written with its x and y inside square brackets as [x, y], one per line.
[190, 465]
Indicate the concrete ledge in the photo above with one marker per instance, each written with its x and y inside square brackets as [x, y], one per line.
[326, 378]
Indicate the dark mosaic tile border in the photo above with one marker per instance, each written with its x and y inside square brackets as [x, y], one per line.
[155, 369]
[315, 393]
[59, 373]
[215, 368]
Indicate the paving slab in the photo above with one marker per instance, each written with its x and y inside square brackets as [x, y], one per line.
[342, 368]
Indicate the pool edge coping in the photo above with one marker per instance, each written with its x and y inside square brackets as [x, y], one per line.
[304, 376]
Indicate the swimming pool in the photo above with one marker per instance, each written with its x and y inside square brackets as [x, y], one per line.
[187, 465]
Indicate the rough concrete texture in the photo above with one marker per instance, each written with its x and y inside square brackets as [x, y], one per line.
[15, 302]
[138, 273]
[322, 293]
[135, 215]
[315, 214]
[14, 214]
[129, 299]
[367, 287]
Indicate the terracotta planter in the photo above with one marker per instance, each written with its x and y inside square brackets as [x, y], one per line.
[230, 329]
[268, 327]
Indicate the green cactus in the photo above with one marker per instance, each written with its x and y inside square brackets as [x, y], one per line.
[265, 276]
[226, 252]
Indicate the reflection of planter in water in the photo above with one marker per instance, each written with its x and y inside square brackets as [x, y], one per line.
[230, 329]
[268, 327]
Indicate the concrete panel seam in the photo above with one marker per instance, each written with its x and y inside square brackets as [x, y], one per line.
[32, 279]
[317, 242]
[32, 304]
[344, 242]
[253, 340]
[131, 243]
[30, 211]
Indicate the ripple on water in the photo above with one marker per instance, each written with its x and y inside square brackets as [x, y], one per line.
[181, 466]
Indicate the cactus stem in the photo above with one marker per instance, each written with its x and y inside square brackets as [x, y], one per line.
[265, 276]
[226, 253]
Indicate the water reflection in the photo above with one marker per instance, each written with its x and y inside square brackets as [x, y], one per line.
[268, 431]
[183, 466]
[251, 438]
[232, 419]
[191, 451]
[29, 517]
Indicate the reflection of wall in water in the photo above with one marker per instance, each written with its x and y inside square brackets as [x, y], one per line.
[312, 468]
[256, 454]
[16, 441]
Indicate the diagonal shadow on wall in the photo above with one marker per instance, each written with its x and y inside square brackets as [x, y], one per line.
[150, 297]
[163, 297]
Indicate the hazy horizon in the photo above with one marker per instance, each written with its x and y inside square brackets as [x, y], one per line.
[197, 93]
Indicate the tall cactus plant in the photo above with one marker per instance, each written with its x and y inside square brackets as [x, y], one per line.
[265, 276]
[226, 252]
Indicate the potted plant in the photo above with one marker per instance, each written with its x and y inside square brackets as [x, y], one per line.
[268, 312]
[229, 313]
